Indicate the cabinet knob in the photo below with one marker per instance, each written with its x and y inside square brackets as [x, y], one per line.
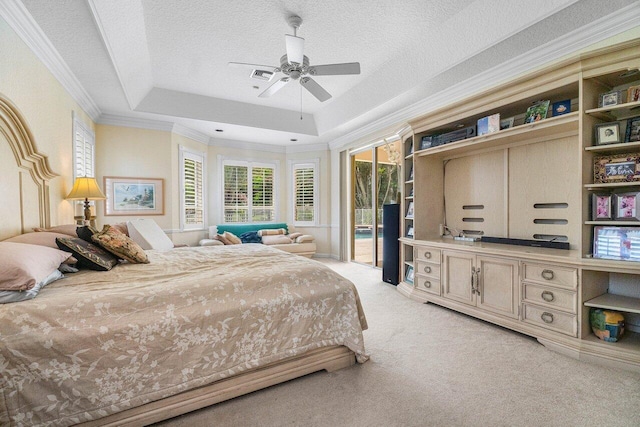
[427, 284]
[427, 269]
[547, 296]
[547, 274]
[547, 317]
[427, 255]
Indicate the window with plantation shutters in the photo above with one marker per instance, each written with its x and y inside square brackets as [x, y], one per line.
[83, 149]
[305, 193]
[192, 189]
[249, 192]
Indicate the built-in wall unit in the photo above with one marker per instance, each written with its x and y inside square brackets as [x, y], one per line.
[530, 219]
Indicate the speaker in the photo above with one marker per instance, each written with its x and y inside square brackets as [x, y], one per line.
[390, 243]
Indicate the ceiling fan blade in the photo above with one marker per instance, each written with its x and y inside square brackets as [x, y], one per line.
[295, 48]
[279, 84]
[335, 69]
[254, 66]
[315, 89]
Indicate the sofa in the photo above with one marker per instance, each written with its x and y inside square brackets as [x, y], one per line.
[301, 244]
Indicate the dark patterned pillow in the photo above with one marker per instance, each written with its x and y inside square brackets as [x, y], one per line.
[89, 255]
[86, 232]
[250, 237]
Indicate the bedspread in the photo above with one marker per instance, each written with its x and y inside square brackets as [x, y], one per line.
[96, 343]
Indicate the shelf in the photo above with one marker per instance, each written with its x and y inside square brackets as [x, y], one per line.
[531, 132]
[627, 223]
[611, 185]
[409, 182]
[409, 156]
[615, 302]
[622, 110]
[409, 197]
[614, 148]
[629, 341]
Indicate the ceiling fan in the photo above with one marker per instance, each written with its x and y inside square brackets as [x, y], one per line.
[295, 66]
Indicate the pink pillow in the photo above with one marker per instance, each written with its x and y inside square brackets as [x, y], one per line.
[25, 265]
[43, 238]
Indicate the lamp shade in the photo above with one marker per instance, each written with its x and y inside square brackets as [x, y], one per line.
[86, 188]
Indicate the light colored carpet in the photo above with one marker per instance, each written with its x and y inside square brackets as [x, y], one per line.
[434, 367]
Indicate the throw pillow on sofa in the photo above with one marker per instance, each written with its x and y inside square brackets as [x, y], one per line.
[272, 232]
[250, 237]
[235, 240]
[279, 239]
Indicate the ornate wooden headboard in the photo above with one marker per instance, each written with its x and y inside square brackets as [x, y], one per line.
[24, 176]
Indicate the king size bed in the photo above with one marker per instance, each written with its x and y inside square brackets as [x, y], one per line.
[145, 342]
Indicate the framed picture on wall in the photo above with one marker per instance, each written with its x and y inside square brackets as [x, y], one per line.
[133, 196]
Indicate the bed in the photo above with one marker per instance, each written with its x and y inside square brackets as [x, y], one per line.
[145, 342]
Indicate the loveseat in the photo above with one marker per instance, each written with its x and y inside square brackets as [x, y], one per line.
[301, 244]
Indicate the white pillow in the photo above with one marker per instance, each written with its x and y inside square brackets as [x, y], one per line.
[148, 234]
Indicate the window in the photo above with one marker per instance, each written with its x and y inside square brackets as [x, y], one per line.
[192, 189]
[305, 193]
[84, 143]
[249, 192]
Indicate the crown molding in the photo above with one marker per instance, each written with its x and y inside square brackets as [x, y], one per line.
[244, 145]
[191, 133]
[134, 122]
[21, 21]
[619, 21]
[307, 148]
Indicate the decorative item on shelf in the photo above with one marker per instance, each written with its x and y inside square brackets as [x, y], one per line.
[561, 107]
[616, 168]
[134, 196]
[410, 211]
[456, 135]
[538, 111]
[627, 206]
[609, 99]
[608, 133]
[411, 174]
[632, 133]
[633, 94]
[618, 243]
[408, 276]
[86, 188]
[426, 142]
[607, 325]
[507, 123]
[489, 124]
[411, 192]
[410, 231]
[601, 207]
[410, 151]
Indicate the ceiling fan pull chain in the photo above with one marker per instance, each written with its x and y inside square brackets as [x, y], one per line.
[300, 102]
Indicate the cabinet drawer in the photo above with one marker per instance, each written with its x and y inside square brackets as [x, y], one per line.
[550, 297]
[551, 319]
[427, 254]
[428, 269]
[551, 275]
[428, 284]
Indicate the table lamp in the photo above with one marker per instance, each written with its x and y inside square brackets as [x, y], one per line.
[86, 188]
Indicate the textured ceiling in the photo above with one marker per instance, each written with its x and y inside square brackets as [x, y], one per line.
[167, 60]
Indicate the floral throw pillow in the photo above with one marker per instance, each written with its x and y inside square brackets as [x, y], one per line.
[120, 245]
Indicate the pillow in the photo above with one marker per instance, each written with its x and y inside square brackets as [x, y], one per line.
[276, 240]
[23, 266]
[235, 240]
[250, 237]
[86, 232]
[222, 239]
[121, 227]
[68, 229]
[43, 238]
[273, 232]
[294, 236]
[120, 245]
[17, 296]
[148, 234]
[305, 238]
[210, 242]
[89, 255]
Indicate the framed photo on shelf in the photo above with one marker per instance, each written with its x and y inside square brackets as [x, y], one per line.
[632, 133]
[425, 142]
[411, 174]
[561, 107]
[488, 124]
[133, 196]
[408, 275]
[608, 133]
[633, 94]
[627, 205]
[609, 99]
[410, 210]
[410, 147]
[601, 207]
[538, 111]
[410, 231]
[616, 168]
[507, 123]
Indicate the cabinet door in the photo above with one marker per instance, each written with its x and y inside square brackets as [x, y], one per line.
[456, 277]
[498, 287]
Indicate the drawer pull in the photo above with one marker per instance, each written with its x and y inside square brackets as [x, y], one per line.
[547, 296]
[547, 317]
[427, 269]
[547, 274]
[427, 284]
[427, 255]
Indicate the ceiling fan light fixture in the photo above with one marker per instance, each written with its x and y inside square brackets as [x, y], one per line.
[295, 48]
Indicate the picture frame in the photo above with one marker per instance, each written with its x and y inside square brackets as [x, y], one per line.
[538, 111]
[561, 107]
[409, 211]
[633, 93]
[601, 207]
[426, 142]
[632, 133]
[507, 123]
[609, 99]
[411, 173]
[608, 133]
[133, 196]
[410, 231]
[488, 124]
[627, 206]
[616, 168]
[409, 274]
[619, 243]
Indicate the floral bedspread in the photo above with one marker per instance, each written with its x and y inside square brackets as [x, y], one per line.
[96, 343]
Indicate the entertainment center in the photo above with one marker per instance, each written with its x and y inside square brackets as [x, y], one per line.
[532, 179]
